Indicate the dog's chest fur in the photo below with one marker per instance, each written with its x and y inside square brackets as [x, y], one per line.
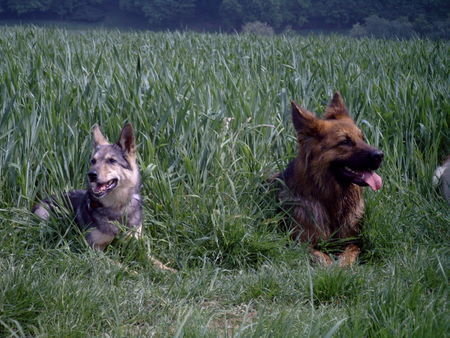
[91, 213]
[320, 211]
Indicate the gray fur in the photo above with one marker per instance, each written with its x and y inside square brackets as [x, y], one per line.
[442, 177]
[96, 214]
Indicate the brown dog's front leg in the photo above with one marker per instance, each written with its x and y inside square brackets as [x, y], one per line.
[321, 257]
[349, 256]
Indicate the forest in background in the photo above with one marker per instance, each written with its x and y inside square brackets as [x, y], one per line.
[381, 18]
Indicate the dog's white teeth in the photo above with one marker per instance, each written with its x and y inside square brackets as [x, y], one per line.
[111, 183]
[102, 188]
[354, 172]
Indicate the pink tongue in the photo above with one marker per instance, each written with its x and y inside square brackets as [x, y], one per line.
[373, 180]
[100, 187]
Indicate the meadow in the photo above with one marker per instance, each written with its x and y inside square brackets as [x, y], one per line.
[212, 115]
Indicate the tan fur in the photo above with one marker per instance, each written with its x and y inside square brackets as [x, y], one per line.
[349, 256]
[98, 138]
[121, 196]
[321, 258]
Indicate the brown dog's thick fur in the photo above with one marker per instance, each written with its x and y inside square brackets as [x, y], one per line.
[322, 185]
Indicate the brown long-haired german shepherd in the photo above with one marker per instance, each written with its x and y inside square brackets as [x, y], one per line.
[112, 196]
[322, 186]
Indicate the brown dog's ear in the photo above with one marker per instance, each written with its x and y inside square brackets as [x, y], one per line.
[97, 137]
[126, 139]
[303, 119]
[336, 109]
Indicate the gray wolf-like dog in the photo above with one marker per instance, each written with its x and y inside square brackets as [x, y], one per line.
[113, 191]
[112, 196]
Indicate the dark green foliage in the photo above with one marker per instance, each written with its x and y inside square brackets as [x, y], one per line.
[382, 28]
[209, 8]
[395, 18]
[231, 13]
[162, 12]
[76, 9]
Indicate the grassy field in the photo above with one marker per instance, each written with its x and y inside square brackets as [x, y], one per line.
[213, 122]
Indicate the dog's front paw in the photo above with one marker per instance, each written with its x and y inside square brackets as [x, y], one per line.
[349, 256]
[322, 258]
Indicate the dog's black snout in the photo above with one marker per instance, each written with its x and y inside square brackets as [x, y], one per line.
[92, 176]
[377, 157]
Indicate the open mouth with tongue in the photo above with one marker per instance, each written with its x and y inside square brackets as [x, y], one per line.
[101, 189]
[363, 177]
[360, 176]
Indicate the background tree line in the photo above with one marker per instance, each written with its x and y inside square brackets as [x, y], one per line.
[422, 16]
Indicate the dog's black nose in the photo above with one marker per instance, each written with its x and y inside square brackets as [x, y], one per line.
[92, 176]
[377, 156]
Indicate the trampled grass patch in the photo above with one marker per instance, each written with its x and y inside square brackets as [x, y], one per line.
[212, 119]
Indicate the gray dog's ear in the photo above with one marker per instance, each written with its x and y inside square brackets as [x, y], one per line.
[97, 137]
[126, 139]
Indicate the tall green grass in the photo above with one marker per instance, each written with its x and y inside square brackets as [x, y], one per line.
[212, 119]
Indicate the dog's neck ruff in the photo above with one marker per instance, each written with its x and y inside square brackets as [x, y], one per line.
[94, 204]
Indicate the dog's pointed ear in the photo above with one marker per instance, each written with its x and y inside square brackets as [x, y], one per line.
[126, 140]
[303, 119]
[97, 137]
[336, 109]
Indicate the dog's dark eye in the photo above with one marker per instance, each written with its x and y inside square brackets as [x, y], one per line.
[347, 142]
[93, 161]
[111, 161]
